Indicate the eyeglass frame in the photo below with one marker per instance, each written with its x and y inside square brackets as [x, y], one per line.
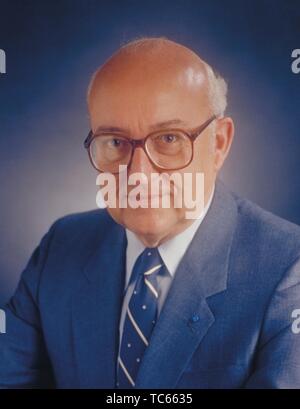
[142, 143]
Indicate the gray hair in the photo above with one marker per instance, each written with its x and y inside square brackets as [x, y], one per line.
[217, 87]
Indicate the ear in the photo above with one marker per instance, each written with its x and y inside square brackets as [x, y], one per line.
[223, 140]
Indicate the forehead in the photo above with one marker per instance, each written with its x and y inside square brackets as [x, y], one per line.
[137, 92]
[123, 101]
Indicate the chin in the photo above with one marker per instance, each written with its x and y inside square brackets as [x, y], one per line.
[146, 222]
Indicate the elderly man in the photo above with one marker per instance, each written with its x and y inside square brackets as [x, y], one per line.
[144, 297]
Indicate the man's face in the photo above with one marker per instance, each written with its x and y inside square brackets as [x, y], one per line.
[136, 97]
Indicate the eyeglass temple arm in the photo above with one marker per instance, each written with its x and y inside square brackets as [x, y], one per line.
[88, 139]
[198, 131]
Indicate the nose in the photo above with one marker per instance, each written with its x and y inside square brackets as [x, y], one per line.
[141, 163]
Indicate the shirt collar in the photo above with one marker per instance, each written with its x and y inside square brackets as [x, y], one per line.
[171, 251]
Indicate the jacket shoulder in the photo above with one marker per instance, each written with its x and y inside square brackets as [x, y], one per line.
[271, 238]
[82, 223]
[266, 220]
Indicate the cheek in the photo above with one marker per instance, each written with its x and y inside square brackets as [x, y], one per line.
[204, 155]
[203, 162]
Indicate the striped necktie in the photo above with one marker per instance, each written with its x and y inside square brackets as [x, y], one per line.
[141, 316]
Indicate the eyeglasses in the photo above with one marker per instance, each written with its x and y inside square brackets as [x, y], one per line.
[167, 149]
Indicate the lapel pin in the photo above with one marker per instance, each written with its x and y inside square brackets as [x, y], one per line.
[194, 318]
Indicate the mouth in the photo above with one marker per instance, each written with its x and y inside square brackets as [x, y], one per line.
[154, 201]
[141, 196]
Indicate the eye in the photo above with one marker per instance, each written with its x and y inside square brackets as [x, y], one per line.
[114, 142]
[168, 138]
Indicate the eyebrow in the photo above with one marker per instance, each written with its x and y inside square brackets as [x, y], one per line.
[166, 124]
[158, 125]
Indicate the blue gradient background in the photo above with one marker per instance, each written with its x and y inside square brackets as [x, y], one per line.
[52, 49]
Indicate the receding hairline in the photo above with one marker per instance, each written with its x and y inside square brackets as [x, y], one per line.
[152, 46]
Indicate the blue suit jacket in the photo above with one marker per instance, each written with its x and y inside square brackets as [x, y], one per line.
[240, 275]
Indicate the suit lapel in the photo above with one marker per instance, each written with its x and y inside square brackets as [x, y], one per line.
[186, 316]
[184, 320]
[96, 309]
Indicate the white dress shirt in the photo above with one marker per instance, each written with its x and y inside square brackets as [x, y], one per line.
[171, 253]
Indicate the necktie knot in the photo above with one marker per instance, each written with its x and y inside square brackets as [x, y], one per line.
[152, 261]
[148, 264]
